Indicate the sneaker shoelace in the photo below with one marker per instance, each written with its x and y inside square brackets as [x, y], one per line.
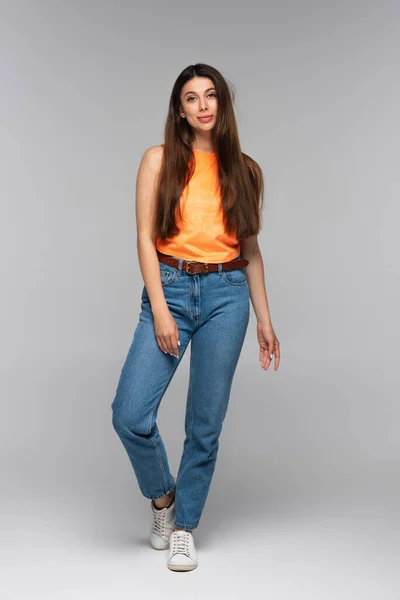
[159, 521]
[180, 543]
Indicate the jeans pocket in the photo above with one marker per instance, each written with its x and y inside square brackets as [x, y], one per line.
[235, 277]
[168, 274]
[144, 297]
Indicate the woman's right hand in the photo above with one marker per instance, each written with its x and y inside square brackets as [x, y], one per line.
[167, 332]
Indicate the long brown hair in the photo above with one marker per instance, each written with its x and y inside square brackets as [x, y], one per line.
[240, 177]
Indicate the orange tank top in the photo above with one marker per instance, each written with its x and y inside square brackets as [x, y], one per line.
[202, 235]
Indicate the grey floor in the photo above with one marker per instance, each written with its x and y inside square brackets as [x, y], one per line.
[93, 543]
[299, 508]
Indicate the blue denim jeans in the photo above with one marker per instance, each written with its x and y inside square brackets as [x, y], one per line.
[212, 311]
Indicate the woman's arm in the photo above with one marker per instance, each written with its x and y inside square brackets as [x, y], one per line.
[145, 203]
[255, 276]
[268, 342]
[165, 326]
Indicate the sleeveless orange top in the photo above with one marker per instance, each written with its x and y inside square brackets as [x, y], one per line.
[202, 235]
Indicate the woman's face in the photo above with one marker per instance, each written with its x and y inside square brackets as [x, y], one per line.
[198, 100]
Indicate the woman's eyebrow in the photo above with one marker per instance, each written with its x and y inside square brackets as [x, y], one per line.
[207, 90]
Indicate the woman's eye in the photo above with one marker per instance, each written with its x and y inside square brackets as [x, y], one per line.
[194, 98]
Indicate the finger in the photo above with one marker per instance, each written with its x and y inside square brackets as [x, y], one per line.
[262, 356]
[177, 343]
[169, 344]
[173, 345]
[162, 345]
[266, 361]
[277, 358]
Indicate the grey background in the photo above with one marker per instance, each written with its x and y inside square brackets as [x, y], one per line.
[304, 498]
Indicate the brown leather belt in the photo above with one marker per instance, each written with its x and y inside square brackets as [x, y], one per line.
[193, 266]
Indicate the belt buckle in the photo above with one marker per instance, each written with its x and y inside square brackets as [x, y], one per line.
[189, 262]
[196, 262]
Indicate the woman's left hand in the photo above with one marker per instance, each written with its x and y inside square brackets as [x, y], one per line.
[269, 345]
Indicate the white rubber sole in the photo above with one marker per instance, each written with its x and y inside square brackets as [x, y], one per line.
[182, 567]
[162, 547]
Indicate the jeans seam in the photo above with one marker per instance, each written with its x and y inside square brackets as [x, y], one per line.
[169, 490]
[148, 424]
[190, 436]
[185, 525]
[148, 429]
[160, 462]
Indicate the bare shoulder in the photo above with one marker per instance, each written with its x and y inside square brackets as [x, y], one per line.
[152, 158]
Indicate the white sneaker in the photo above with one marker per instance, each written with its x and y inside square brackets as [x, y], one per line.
[162, 526]
[182, 552]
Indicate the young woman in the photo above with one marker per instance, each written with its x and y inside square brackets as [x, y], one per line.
[198, 212]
